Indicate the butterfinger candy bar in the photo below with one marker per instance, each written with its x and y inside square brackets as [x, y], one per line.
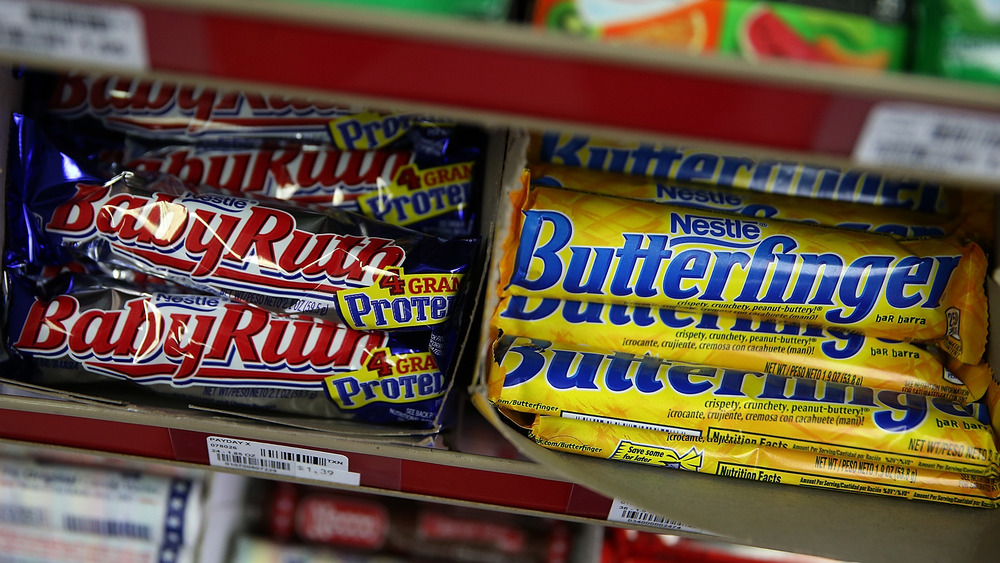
[817, 466]
[336, 265]
[703, 167]
[843, 214]
[586, 247]
[739, 343]
[729, 405]
[214, 350]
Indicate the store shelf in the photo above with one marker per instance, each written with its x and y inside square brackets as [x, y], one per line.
[506, 74]
[386, 466]
[503, 75]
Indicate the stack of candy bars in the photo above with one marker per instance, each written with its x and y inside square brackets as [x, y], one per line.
[696, 313]
[238, 249]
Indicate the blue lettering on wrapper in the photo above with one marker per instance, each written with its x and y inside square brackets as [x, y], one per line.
[649, 266]
[891, 411]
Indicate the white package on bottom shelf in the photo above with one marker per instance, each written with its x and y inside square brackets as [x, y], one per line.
[24, 544]
[92, 506]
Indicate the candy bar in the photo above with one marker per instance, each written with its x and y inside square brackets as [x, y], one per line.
[704, 167]
[335, 265]
[738, 406]
[168, 111]
[740, 343]
[211, 349]
[400, 187]
[578, 246]
[816, 467]
[843, 214]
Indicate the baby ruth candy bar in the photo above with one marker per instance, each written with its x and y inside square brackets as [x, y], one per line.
[211, 349]
[717, 405]
[169, 111]
[333, 265]
[580, 246]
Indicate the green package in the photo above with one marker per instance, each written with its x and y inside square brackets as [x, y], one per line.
[469, 9]
[869, 34]
[958, 39]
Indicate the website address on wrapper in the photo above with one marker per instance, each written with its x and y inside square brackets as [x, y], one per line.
[569, 446]
[527, 405]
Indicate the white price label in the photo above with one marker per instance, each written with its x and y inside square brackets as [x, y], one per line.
[106, 35]
[931, 138]
[627, 513]
[274, 459]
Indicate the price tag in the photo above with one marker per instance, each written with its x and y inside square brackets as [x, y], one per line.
[931, 138]
[105, 35]
[627, 513]
[274, 459]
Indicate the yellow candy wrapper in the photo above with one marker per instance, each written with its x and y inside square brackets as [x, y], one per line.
[904, 223]
[815, 467]
[741, 343]
[579, 246]
[767, 176]
[718, 405]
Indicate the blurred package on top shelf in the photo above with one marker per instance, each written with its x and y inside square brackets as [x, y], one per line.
[958, 39]
[229, 259]
[53, 511]
[487, 10]
[865, 34]
[709, 331]
[327, 525]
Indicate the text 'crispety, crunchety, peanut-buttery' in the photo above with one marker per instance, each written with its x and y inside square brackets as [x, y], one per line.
[727, 341]
[579, 246]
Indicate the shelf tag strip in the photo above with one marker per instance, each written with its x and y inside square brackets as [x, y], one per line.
[77, 33]
[966, 143]
[628, 513]
[275, 459]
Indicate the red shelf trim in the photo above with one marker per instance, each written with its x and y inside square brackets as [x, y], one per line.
[503, 81]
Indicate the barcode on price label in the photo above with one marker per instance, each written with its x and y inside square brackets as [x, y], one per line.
[931, 138]
[275, 459]
[79, 33]
[627, 513]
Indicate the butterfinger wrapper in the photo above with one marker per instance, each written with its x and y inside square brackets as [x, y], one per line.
[726, 405]
[585, 247]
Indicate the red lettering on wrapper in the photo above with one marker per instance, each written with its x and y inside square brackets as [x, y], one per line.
[211, 237]
[158, 337]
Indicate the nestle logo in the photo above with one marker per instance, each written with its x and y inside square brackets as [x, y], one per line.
[713, 226]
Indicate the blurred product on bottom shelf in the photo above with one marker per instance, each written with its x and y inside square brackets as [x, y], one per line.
[60, 512]
[305, 519]
[958, 39]
[870, 34]
[633, 546]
